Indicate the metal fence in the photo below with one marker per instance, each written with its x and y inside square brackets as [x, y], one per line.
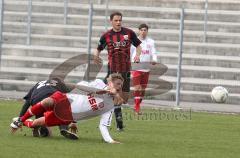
[65, 21]
[1, 29]
[180, 51]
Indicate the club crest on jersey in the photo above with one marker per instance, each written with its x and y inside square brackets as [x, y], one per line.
[101, 105]
[125, 37]
[117, 45]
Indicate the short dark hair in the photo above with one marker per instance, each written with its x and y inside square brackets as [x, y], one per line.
[143, 26]
[115, 14]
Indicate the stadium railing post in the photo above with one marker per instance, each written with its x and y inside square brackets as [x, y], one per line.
[29, 22]
[1, 28]
[89, 38]
[180, 50]
[205, 21]
[65, 11]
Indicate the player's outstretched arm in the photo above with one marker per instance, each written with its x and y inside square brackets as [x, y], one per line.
[96, 58]
[115, 142]
[84, 88]
[89, 89]
[138, 53]
[73, 127]
[105, 122]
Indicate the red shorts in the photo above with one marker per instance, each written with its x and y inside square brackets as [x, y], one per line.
[61, 113]
[140, 78]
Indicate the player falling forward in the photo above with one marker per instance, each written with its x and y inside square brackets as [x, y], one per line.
[37, 93]
[64, 108]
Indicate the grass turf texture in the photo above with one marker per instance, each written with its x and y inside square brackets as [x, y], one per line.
[156, 134]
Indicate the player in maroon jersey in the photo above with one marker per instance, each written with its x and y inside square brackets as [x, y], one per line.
[118, 41]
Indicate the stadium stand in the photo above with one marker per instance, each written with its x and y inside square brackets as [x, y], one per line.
[205, 65]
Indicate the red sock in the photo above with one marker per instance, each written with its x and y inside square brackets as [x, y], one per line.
[28, 123]
[36, 109]
[137, 100]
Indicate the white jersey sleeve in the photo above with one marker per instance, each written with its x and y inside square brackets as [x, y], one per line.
[105, 122]
[133, 52]
[99, 84]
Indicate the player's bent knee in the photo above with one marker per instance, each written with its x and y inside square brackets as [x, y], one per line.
[39, 122]
[48, 102]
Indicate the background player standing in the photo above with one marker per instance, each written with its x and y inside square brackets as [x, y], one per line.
[140, 76]
[118, 41]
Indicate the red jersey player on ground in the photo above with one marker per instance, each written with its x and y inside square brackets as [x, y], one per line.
[64, 108]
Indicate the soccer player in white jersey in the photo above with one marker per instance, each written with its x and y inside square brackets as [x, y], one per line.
[64, 108]
[140, 75]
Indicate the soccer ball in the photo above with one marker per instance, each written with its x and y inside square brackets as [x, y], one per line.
[219, 94]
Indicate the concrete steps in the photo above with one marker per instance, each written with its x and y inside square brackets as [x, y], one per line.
[164, 58]
[31, 62]
[66, 52]
[161, 46]
[38, 74]
[188, 83]
[203, 84]
[199, 96]
[32, 73]
[155, 23]
[201, 48]
[205, 65]
[201, 60]
[62, 1]
[196, 4]
[172, 13]
[41, 51]
[157, 34]
[209, 72]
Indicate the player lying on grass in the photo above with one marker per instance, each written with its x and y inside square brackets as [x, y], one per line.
[64, 108]
[37, 93]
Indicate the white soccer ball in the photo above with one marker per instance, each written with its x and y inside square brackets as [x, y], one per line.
[219, 94]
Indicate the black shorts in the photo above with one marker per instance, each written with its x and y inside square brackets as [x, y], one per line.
[126, 76]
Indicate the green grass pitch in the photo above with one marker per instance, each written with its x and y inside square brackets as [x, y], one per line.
[161, 134]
